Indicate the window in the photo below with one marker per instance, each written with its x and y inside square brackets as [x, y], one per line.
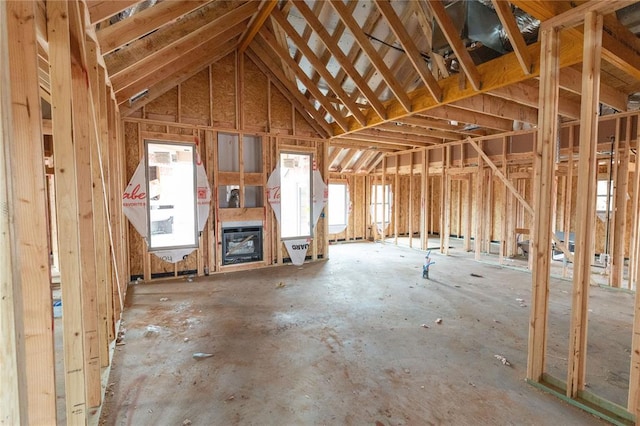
[381, 205]
[604, 196]
[171, 185]
[295, 195]
[338, 207]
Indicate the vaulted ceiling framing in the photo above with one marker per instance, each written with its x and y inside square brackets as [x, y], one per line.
[366, 72]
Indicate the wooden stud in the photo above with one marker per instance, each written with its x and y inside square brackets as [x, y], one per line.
[14, 401]
[445, 200]
[568, 195]
[33, 353]
[620, 208]
[468, 215]
[396, 200]
[478, 237]
[543, 201]
[410, 215]
[585, 208]
[634, 246]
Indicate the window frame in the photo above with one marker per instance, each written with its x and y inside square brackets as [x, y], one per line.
[173, 144]
[283, 198]
[345, 203]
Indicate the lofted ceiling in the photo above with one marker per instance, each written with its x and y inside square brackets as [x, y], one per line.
[376, 76]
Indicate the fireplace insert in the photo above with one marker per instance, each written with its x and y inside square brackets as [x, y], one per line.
[240, 245]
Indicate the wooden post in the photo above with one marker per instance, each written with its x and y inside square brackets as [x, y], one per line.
[620, 211]
[396, 201]
[410, 215]
[13, 375]
[585, 208]
[543, 205]
[22, 142]
[384, 200]
[468, 214]
[503, 207]
[445, 197]
[568, 197]
[424, 201]
[634, 247]
[478, 225]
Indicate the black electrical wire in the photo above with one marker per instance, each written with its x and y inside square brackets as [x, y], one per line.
[399, 49]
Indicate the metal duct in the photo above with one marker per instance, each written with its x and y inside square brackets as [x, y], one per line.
[481, 29]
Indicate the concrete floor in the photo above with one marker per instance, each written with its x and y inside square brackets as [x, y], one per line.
[354, 340]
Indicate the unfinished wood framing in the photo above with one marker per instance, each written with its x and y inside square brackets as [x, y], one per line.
[585, 207]
[472, 143]
[23, 147]
[543, 203]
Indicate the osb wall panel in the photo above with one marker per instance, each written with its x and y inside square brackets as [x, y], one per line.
[302, 126]
[223, 91]
[280, 111]
[255, 102]
[435, 183]
[497, 204]
[194, 97]
[408, 211]
[359, 207]
[165, 105]
[193, 109]
[415, 212]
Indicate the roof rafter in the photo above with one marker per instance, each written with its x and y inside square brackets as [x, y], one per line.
[101, 10]
[260, 55]
[176, 62]
[503, 9]
[319, 67]
[371, 52]
[410, 48]
[335, 50]
[256, 23]
[461, 52]
[189, 68]
[176, 49]
[125, 31]
[271, 41]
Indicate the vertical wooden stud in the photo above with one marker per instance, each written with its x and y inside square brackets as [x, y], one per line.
[620, 209]
[543, 202]
[585, 208]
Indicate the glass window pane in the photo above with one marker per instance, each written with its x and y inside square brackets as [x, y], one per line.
[337, 204]
[295, 184]
[171, 186]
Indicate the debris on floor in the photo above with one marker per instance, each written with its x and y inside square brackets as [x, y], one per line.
[280, 285]
[502, 359]
[476, 275]
[186, 422]
[424, 325]
[439, 321]
[152, 331]
[164, 299]
[201, 355]
[521, 302]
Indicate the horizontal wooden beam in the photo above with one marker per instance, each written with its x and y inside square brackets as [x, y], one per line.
[577, 15]
[571, 80]
[101, 10]
[499, 72]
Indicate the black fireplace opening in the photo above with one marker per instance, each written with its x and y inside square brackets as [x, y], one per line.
[241, 244]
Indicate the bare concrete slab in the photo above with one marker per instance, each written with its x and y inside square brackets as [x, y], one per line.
[352, 340]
